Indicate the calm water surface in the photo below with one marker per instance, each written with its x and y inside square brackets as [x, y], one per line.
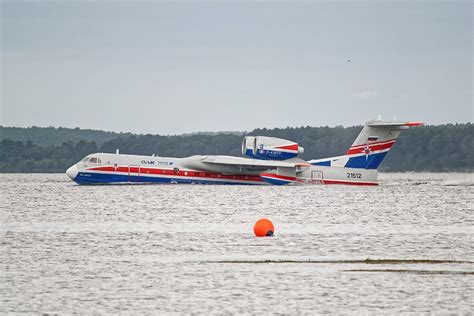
[66, 248]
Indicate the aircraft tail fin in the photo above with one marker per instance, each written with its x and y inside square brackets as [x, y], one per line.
[371, 145]
[374, 142]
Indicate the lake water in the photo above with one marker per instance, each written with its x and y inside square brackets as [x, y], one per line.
[142, 249]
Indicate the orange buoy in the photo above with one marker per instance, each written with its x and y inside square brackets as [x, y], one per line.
[263, 227]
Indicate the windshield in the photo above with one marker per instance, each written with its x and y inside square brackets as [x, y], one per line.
[91, 160]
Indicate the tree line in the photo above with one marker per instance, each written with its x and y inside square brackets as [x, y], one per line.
[447, 147]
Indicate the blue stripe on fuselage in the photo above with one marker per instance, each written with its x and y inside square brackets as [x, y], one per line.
[104, 178]
[366, 162]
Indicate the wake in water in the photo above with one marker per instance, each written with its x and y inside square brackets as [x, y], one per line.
[436, 179]
[451, 183]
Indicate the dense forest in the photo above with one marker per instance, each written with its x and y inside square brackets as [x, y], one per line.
[429, 148]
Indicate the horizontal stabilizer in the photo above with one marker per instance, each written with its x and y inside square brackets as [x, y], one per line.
[393, 124]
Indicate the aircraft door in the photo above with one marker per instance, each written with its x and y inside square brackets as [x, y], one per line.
[133, 173]
[316, 176]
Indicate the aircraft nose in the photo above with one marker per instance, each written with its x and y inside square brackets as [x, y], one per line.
[72, 172]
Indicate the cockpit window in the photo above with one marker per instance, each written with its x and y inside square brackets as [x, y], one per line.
[91, 160]
[94, 160]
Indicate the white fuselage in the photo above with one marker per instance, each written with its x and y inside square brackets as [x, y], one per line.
[119, 168]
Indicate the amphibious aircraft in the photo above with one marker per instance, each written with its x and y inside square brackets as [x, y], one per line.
[270, 161]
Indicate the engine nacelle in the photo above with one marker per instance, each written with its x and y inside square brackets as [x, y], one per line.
[270, 148]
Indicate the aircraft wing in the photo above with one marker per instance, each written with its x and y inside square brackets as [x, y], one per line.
[248, 162]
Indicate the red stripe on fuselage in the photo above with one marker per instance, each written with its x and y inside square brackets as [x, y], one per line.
[278, 176]
[181, 173]
[212, 175]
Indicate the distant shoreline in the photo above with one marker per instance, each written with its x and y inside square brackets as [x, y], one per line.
[440, 148]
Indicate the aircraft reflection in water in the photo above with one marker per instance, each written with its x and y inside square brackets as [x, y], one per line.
[271, 161]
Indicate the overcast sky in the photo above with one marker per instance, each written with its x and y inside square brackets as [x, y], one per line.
[178, 67]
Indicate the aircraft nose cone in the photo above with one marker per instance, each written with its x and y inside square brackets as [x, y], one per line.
[72, 172]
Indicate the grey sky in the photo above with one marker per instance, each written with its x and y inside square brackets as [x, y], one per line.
[176, 67]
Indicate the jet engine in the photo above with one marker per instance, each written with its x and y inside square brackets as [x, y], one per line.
[270, 148]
